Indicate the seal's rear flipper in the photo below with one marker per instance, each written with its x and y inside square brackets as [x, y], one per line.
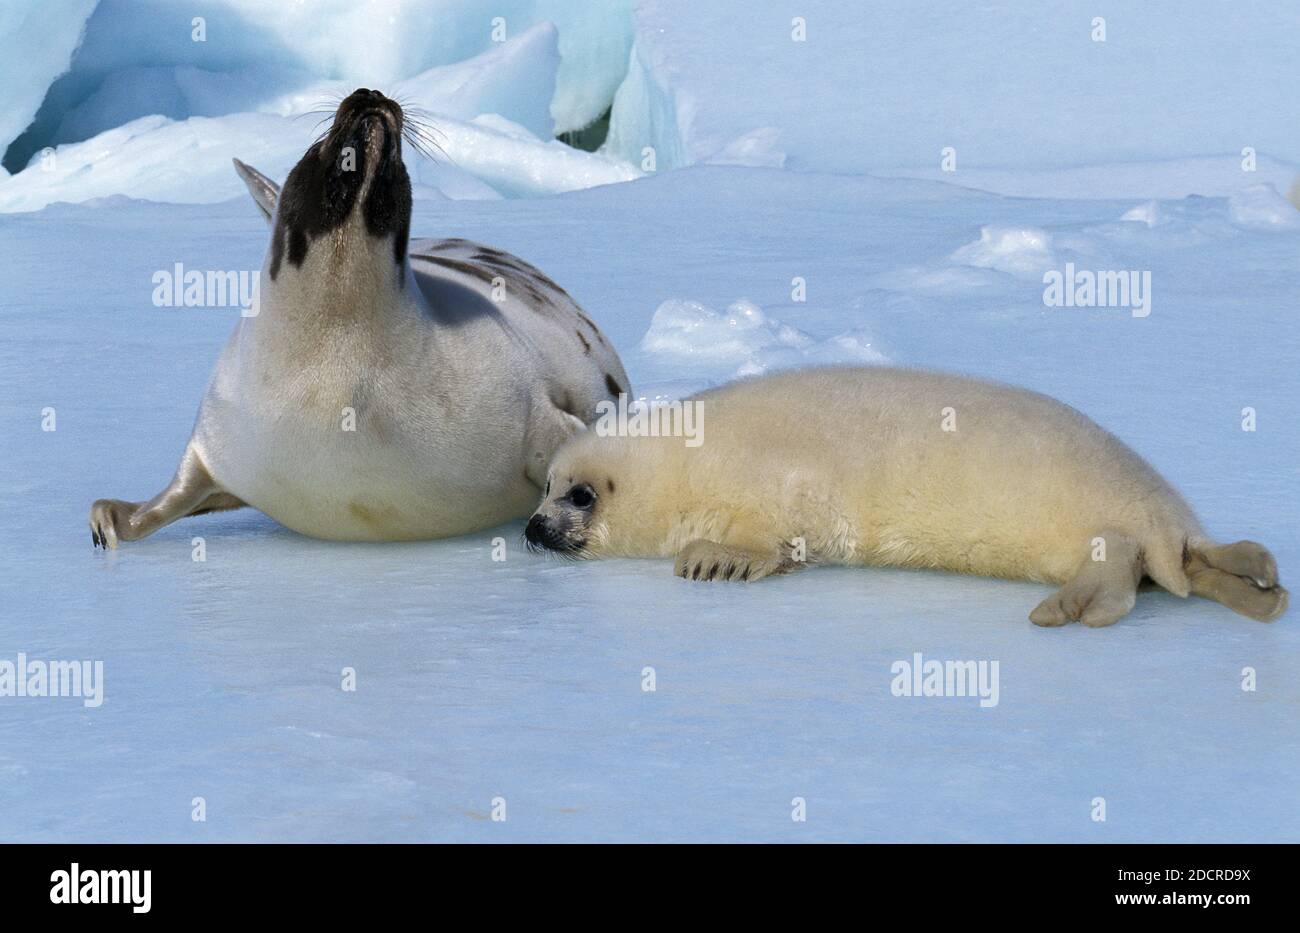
[1103, 589]
[191, 492]
[1242, 576]
[264, 191]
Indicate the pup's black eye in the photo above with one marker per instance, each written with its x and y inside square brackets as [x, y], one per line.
[582, 496]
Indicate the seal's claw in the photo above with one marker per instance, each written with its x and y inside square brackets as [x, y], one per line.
[104, 522]
[708, 560]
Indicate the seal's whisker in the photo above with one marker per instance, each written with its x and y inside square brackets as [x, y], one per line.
[424, 124]
[326, 119]
[427, 134]
[423, 144]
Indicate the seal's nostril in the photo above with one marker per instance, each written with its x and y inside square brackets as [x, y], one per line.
[536, 530]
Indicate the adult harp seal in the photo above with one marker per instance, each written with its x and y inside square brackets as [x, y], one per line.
[387, 388]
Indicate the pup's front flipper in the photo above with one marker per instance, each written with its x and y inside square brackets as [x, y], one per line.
[549, 426]
[702, 559]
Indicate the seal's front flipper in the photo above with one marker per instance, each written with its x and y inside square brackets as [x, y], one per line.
[549, 426]
[191, 492]
[702, 559]
[264, 191]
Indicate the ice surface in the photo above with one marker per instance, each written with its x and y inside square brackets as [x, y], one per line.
[1208, 176]
[522, 679]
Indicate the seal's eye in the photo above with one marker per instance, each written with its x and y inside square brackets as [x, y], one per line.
[582, 496]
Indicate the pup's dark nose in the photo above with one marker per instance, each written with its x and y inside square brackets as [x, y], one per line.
[538, 532]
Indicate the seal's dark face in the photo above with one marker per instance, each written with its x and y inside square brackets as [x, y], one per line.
[356, 167]
[560, 524]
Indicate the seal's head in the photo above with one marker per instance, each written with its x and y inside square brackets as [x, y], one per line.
[351, 184]
[605, 495]
[563, 522]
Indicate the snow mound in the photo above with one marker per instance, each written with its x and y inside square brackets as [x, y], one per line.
[1261, 207]
[1147, 213]
[1023, 252]
[698, 337]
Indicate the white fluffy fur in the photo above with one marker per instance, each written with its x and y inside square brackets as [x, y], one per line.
[857, 462]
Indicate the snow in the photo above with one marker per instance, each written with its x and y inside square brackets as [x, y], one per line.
[797, 214]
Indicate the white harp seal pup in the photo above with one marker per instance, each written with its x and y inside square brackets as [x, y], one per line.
[900, 468]
[386, 389]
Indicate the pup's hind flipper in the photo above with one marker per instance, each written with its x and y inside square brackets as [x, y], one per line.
[1103, 589]
[1241, 576]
